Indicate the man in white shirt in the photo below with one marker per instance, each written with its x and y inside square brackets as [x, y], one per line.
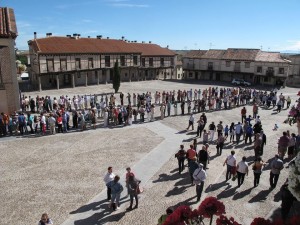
[191, 122]
[109, 176]
[242, 170]
[231, 164]
[199, 176]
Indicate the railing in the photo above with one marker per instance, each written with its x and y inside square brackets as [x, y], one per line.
[270, 72]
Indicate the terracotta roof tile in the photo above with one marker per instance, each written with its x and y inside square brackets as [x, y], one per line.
[8, 27]
[240, 54]
[61, 45]
[213, 54]
[269, 57]
[195, 54]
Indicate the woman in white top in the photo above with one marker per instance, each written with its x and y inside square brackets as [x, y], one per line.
[242, 170]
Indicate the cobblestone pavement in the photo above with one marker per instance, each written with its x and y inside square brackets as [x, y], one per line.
[62, 174]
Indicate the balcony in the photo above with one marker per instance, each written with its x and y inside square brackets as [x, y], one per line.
[210, 67]
[237, 69]
[270, 72]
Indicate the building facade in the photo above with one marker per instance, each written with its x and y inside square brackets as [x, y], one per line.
[253, 65]
[9, 89]
[74, 61]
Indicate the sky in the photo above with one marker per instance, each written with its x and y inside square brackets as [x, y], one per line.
[270, 25]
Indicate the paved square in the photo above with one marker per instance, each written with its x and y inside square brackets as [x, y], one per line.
[62, 174]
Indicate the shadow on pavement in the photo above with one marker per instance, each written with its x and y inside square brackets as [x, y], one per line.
[176, 191]
[214, 187]
[101, 218]
[242, 194]
[261, 196]
[227, 193]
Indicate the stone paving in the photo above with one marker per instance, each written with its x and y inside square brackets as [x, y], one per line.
[62, 174]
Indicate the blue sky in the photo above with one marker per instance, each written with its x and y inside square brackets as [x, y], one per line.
[181, 24]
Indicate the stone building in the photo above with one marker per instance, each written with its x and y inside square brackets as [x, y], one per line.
[9, 89]
[75, 61]
[253, 65]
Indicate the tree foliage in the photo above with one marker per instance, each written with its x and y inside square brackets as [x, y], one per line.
[116, 77]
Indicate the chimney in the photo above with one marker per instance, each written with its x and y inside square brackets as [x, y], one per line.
[150, 42]
[167, 46]
[99, 37]
[135, 41]
[89, 36]
[74, 35]
[48, 34]
[143, 42]
[34, 35]
[107, 37]
[123, 38]
[68, 35]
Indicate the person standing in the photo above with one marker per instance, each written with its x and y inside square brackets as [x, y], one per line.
[220, 127]
[191, 154]
[116, 190]
[249, 133]
[242, 170]
[133, 185]
[238, 132]
[51, 122]
[180, 155]
[257, 169]
[109, 176]
[276, 167]
[199, 177]
[220, 144]
[212, 129]
[230, 162]
[200, 127]
[203, 157]
[243, 113]
[283, 144]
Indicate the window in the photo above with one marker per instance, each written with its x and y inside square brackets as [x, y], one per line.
[50, 65]
[162, 62]
[78, 75]
[135, 60]
[77, 64]
[96, 75]
[281, 70]
[125, 74]
[190, 74]
[266, 79]
[143, 62]
[259, 69]
[91, 63]
[172, 61]
[228, 63]
[122, 59]
[63, 64]
[210, 65]
[247, 64]
[107, 61]
[150, 61]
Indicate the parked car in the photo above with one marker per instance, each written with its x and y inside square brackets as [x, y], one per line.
[240, 82]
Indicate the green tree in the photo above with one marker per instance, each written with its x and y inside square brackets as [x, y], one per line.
[116, 77]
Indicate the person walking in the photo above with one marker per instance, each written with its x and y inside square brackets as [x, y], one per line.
[276, 167]
[203, 157]
[109, 176]
[231, 132]
[243, 114]
[191, 154]
[200, 127]
[242, 170]
[238, 132]
[116, 190]
[220, 144]
[193, 165]
[230, 162]
[133, 186]
[199, 176]
[191, 122]
[249, 133]
[220, 127]
[212, 130]
[180, 155]
[257, 169]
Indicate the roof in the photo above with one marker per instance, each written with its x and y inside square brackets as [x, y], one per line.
[269, 57]
[240, 54]
[195, 53]
[213, 54]
[8, 27]
[63, 45]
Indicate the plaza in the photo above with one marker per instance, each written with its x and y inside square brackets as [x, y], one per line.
[63, 174]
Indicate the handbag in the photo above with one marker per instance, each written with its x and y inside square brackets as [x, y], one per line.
[139, 190]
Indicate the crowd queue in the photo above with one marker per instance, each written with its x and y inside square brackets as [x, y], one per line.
[41, 115]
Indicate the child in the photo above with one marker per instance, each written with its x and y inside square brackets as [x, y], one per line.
[226, 130]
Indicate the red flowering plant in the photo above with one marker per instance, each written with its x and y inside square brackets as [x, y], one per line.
[211, 206]
[223, 220]
[179, 216]
[260, 221]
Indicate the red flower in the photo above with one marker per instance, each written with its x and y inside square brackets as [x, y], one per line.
[180, 214]
[260, 221]
[211, 206]
[223, 220]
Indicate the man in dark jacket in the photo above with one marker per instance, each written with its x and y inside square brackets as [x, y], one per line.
[203, 157]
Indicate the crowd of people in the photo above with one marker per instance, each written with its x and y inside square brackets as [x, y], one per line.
[50, 115]
[41, 115]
